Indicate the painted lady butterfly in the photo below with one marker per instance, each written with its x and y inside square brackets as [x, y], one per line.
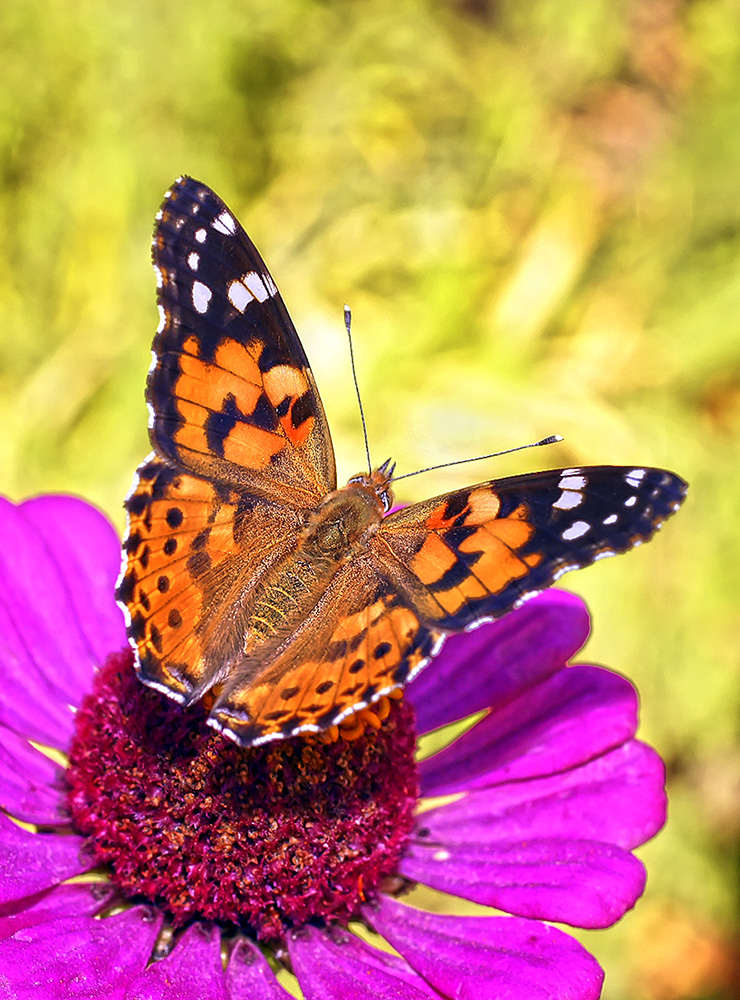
[247, 571]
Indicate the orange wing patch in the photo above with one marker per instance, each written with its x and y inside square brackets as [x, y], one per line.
[463, 549]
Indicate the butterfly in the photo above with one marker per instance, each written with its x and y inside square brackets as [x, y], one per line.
[248, 574]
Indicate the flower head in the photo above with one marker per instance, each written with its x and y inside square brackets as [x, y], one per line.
[208, 849]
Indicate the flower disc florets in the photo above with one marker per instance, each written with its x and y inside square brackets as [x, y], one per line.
[266, 838]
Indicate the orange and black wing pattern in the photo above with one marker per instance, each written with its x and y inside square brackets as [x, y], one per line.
[362, 643]
[475, 554]
[230, 391]
[194, 554]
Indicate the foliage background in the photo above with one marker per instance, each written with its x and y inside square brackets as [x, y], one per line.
[533, 210]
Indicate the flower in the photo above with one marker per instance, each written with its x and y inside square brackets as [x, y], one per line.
[545, 798]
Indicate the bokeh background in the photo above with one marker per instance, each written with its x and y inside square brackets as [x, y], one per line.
[534, 211]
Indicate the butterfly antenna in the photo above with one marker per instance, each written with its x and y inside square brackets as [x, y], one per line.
[552, 439]
[348, 325]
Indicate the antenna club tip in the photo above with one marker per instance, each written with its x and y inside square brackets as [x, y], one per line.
[553, 439]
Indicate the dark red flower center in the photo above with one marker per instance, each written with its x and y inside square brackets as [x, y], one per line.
[265, 838]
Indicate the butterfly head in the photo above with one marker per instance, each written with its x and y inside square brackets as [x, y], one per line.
[378, 482]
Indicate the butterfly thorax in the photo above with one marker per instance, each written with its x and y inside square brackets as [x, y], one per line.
[335, 532]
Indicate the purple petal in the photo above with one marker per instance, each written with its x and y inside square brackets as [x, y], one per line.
[191, 971]
[86, 549]
[572, 716]
[496, 662]
[61, 901]
[249, 976]
[30, 862]
[489, 958]
[79, 956]
[618, 798]
[577, 882]
[46, 656]
[336, 965]
[30, 783]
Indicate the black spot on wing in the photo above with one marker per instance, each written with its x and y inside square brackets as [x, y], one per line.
[125, 590]
[174, 517]
[456, 574]
[456, 504]
[138, 503]
[264, 415]
[221, 423]
[303, 408]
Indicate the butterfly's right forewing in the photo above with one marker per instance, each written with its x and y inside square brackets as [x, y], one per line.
[477, 553]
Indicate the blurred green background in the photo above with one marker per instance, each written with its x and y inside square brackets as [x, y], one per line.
[534, 211]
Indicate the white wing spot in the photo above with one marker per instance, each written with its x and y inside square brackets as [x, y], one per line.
[200, 235]
[256, 285]
[604, 554]
[202, 295]
[239, 295]
[162, 319]
[635, 477]
[224, 223]
[271, 286]
[567, 500]
[193, 261]
[630, 501]
[612, 519]
[570, 482]
[442, 855]
[159, 276]
[576, 530]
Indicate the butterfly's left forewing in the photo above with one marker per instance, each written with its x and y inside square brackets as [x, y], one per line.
[477, 553]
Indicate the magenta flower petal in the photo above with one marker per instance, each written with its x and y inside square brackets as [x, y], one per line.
[249, 976]
[576, 882]
[61, 901]
[488, 958]
[576, 714]
[336, 965]
[617, 798]
[30, 862]
[191, 971]
[29, 782]
[496, 662]
[85, 548]
[79, 956]
[46, 621]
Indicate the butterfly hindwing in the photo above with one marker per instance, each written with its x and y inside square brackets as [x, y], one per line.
[364, 643]
[194, 553]
[477, 553]
[230, 390]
